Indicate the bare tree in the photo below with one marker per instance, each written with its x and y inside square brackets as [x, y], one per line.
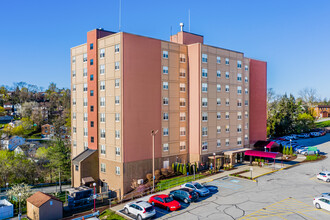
[308, 95]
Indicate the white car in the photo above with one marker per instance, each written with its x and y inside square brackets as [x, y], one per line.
[140, 209]
[324, 175]
[322, 203]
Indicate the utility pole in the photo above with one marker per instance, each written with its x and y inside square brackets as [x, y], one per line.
[153, 134]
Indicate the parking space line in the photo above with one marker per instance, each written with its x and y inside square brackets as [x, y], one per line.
[306, 215]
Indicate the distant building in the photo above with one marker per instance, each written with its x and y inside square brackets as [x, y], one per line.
[12, 143]
[47, 131]
[322, 111]
[6, 209]
[41, 206]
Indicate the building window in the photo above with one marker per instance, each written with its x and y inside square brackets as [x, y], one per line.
[165, 147]
[102, 117]
[85, 72]
[204, 116]
[102, 149]
[227, 102]
[227, 142]
[85, 102]
[91, 46]
[165, 131]
[73, 59]
[116, 65]
[247, 126]
[182, 58]
[182, 116]
[204, 145]
[92, 93]
[92, 124]
[102, 53]
[165, 85]
[165, 70]
[85, 117]
[239, 141]
[246, 114]
[92, 139]
[246, 137]
[239, 115]
[74, 102]
[165, 54]
[239, 103]
[117, 48]
[218, 60]
[165, 116]
[239, 77]
[218, 88]
[117, 100]
[117, 151]
[218, 73]
[239, 90]
[204, 102]
[117, 117]
[102, 85]
[218, 129]
[246, 68]
[204, 73]
[246, 102]
[76, 167]
[103, 167]
[204, 58]
[85, 145]
[74, 143]
[239, 64]
[73, 87]
[182, 87]
[227, 115]
[182, 102]
[85, 87]
[218, 115]
[218, 101]
[102, 132]
[91, 77]
[246, 79]
[182, 73]
[182, 131]
[91, 62]
[239, 128]
[102, 101]
[73, 73]
[85, 57]
[117, 134]
[182, 145]
[165, 101]
[227, 128]
[218, 143]
[102, 69]
[227, 61]
[204, 87]
[74, 130]
[227, 75]
[92, 108]
[246, 91]
[117, 81]
[74, 115]
[85, 132]
[204, 131]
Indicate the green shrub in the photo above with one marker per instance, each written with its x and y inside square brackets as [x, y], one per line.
[173, 166]
[184, 169]
[291, 151]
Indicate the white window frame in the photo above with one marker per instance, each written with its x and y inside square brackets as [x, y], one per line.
[218, 60]
[165, 132]
[204, 87]
[165, 54]
[165, 147]
[204, 102]
[204, 58]
[204, 73]
[165, 70]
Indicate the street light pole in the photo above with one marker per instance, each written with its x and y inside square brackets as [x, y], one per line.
[153, 134]
[290, 143]
[19, 206]
[94, 184]
[214, 162]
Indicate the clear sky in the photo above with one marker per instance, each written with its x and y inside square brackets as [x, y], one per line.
[293, 36]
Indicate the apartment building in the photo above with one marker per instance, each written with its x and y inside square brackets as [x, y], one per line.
[204, 101]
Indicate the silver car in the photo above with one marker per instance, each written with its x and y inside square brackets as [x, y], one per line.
[140, 209]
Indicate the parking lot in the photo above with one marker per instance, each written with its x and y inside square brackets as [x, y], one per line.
[287, 194]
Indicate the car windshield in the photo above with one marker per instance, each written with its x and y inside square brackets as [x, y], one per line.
[198, 186]
[323, 174]
[168, 199]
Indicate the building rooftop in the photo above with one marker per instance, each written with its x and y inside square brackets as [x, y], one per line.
[40, 198]
[82, 156]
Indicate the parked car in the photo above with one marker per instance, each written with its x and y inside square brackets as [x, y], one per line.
[309, 152]
[184, 194]
[315, 134]
[324, 175]
[322, 203]
[325, 195]
[300, 149]
[201, 190]
[140, 209]
[165, 202]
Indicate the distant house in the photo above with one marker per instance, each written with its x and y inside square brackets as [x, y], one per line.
[12, 143]
[41, 206]
[8, 106]
[322, 111]
[47, 131]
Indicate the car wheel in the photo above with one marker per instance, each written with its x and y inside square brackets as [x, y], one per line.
[139, 217]
[186, 201]
[168, 208]
[328, 180]
[126, 211]
[317, 206]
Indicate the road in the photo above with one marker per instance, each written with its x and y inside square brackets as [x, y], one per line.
[286, 194]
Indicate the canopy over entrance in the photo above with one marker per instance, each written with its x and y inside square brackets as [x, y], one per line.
[262, 154]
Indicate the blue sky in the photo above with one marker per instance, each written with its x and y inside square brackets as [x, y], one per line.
[292, 36]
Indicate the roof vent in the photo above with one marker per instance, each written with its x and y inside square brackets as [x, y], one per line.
[181, 25]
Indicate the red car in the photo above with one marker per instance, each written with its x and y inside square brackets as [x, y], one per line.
[165, 202]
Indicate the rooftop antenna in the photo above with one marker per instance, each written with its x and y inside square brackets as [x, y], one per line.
[181, 25]
[119, 15]
[189, 19]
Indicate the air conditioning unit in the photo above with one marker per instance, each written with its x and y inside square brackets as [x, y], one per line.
[140, 181]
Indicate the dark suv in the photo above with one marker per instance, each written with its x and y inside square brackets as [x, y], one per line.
[186, 195]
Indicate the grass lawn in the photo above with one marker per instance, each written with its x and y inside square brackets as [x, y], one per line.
[313, 157]
[322, 124]
[108, 214]
[176, 181]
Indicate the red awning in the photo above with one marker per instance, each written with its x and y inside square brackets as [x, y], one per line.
[261, 154]
[270, 144]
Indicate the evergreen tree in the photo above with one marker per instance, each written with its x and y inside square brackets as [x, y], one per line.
[290, 151]
[177, 168]
[184, 169]
[173, 167]
[181, 168]
[190, 169]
